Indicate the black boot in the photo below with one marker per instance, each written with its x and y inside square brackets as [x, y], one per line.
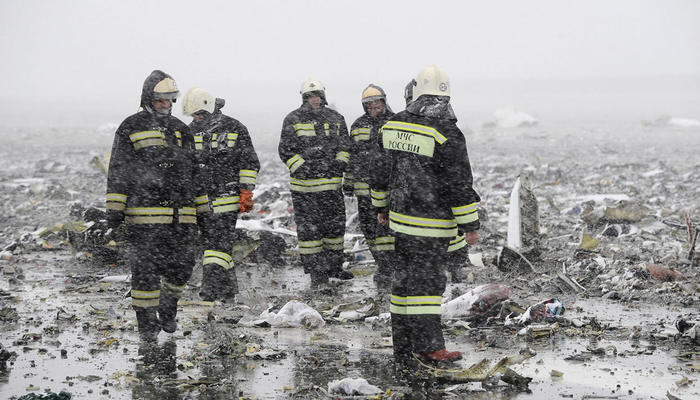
[167, 311]
[149, 326]
[207, 291]
[231, 289]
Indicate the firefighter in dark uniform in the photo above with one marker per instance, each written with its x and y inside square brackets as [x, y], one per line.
[150, 188]
[315, 146]
[228, 170]
[366, 147]
[424, 191]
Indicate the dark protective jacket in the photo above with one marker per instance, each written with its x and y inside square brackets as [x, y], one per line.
[366, 147]
[425, 183]
[226, 158]
[151, 169]
[315, 146]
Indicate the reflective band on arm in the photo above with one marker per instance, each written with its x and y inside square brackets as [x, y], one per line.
[466, 214]
[217, 257]
[202, 203]
[415, 305]
[304, 129]
[144, 139]
[295, 162]
[116, 201]
[343, 156]
[457, 243]
[315, 185]
[360, 134]
[420, 226]
[379, 199]
[310, 246]
[248, 176]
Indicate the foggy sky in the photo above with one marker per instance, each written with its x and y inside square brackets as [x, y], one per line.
[260, 51]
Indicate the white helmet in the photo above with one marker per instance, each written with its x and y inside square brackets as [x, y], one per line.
[433, 81]
[311, 85]
[197, 99]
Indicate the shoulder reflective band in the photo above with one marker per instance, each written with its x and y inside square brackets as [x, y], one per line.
[361, 188]
[116, 201]
[409, 142]
[360, 134]
[145, 298]
[419, 226]
[466, 214]
[202, 203]
[248, 176]
[333, 243]
[456, 243]
[218, 258]
[178, 135]
[226, 204]
[231, 139]
[214, 140]
[415, 305]
[384, 243]
[304, 129]
[310, 246]
[144, 139]
[187, 215]
[379, 199]
[343, 156]
[315, 185]
[295, 162]
[198, 140]
[416, 128]
[149, 215]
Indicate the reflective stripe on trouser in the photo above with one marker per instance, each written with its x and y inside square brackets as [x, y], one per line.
[217, 237]
[320, 220]
[417, 287]
[155, 252]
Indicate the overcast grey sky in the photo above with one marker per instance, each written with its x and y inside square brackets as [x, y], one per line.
[97, 50]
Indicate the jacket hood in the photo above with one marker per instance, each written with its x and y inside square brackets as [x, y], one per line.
[370, 89]
[149, 85]
[432, 106]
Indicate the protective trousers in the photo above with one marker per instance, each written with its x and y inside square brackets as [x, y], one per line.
[320, 220]
[161, 257]
[416, 294]
[217, 232]
[380, 240]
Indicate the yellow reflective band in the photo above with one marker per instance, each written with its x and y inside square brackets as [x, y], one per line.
[172, 288]
[145, 294]
[145, 303]
[360, 134]
[310, 246]
[198, 140]
[343, 156]
[116, 197]
[149, 215]
[149, 211]
[231, 139]
[248, 176]
[144, 139]
[178, 135]
[115, 206]
[456, 243]
[421, 221]
[333, 243]
[226, 204]
[419, 226]
[422, 129]
[219, 254]
[468, 209]
[379, 199]
[220, 201]
[295, 162]
[315, 185]
[187, 215]
[199, 200]
[304, 129]
[361, 188]
[203, 208]
[326, 128]
[415, 310]
[465, 219]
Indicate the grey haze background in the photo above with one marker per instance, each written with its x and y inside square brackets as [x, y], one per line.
[81, 63]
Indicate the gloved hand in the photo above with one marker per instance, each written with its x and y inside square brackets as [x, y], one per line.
[246, 201]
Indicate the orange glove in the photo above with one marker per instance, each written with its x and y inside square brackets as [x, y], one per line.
[246, 201]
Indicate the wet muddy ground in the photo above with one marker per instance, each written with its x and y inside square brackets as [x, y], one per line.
[73, 332]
